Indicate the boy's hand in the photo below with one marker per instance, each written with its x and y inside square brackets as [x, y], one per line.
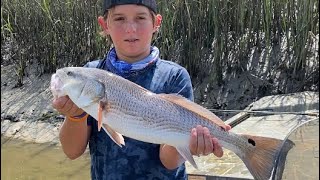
[203, 143]
[66, 107]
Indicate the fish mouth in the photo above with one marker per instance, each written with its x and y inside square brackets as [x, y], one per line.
[56, 86]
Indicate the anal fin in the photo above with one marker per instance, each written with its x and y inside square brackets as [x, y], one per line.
[115, 136]
[186, 154]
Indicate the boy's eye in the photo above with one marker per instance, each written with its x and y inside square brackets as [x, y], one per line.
[119, 19]
[141, 17]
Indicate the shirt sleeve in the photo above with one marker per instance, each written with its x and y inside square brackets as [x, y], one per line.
[92, 64]
[90, 121]
[181, 84]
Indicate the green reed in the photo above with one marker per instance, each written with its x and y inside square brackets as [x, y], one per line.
[208, 37]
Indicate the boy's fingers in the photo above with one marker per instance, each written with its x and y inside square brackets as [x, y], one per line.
[193, 141]
[208, 143]
[59, 103]
[200, 140]
[228, 127]
[75, 111]
[217, 149]
[66, 107]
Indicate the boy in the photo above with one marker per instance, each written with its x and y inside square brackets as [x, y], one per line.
[130, 25]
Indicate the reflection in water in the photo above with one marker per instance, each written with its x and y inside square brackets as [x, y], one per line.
[20, 160]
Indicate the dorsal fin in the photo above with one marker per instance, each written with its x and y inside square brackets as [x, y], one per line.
[194, 107]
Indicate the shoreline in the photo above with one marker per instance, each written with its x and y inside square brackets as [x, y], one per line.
[31, 131]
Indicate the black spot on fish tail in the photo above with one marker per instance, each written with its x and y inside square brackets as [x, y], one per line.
[252, 142]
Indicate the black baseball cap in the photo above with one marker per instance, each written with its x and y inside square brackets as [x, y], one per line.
[151, 4]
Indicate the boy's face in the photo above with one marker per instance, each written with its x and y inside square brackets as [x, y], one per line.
[131, 28]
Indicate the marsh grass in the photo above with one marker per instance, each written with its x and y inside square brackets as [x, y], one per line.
[51, 34]
[210, 38]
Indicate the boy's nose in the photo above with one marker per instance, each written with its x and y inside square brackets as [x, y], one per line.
[131, 27]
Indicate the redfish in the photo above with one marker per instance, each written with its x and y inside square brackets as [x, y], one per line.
[123, 108]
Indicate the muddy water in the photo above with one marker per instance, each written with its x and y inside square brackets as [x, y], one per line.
[29, 161]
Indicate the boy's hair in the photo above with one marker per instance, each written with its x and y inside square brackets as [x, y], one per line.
[151, 4]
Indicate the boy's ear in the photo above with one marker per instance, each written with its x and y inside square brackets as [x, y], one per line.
[158, 21]
[103, 24]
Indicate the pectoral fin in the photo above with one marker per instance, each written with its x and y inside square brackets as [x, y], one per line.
[186, 154]
[102, 106]
[100, 110]
[115, 136]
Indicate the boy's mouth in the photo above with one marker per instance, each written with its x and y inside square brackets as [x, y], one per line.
[131, 40]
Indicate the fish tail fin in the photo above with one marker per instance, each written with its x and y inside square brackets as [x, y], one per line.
[261, 161]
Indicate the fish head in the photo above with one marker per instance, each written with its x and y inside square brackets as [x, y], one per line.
[79, 84]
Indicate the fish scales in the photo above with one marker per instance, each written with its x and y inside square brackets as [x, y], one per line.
[157, 113]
